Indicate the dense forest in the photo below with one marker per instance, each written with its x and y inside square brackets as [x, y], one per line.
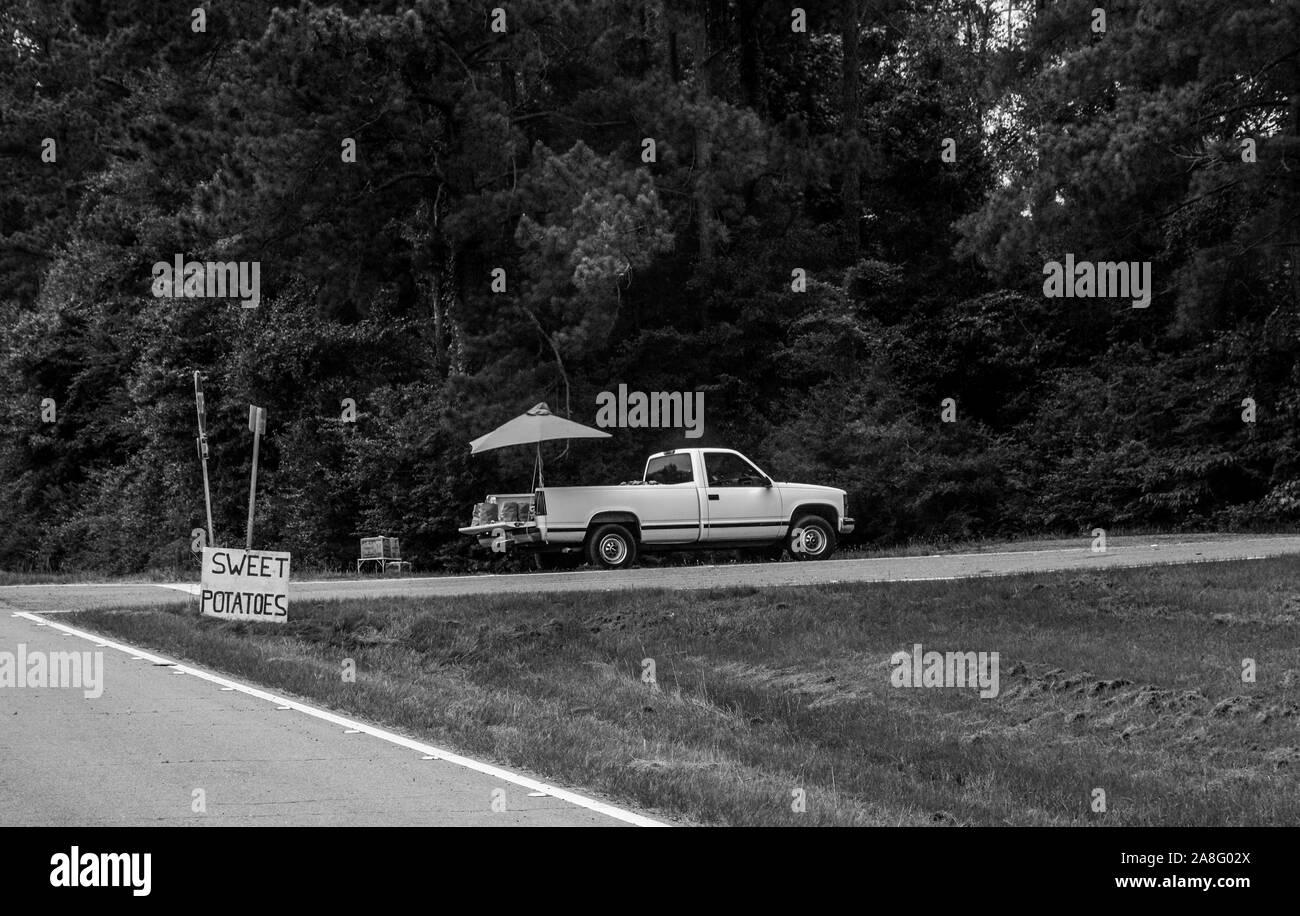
[829, 218]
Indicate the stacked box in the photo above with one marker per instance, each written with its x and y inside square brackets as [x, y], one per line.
[380, 548]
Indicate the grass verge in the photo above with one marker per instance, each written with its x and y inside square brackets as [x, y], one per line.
[1129, 681]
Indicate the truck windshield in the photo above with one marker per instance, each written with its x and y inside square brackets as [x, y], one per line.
[669, 469]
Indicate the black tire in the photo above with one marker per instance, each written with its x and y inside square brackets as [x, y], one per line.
[611, 547]
[811, 538]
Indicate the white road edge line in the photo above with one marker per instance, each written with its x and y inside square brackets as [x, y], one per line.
[178, 586]
[468, 763]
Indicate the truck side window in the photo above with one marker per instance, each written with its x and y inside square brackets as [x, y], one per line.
[669, 469]
[726, 470]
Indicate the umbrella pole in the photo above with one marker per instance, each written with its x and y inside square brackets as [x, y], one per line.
[540, 482]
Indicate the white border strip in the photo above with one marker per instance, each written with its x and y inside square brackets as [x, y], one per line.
[179, 586]
[468, 763]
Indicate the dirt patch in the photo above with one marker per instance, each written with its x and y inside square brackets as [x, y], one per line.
[827, 688]
[1050, 700]
[1284, 757]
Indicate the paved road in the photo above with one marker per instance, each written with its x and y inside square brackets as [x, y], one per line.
[1122, 553]
[763, 575]
[136, 755]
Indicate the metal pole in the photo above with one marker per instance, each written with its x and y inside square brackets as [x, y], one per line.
[252, 487]
[207, 494]
[200, 411]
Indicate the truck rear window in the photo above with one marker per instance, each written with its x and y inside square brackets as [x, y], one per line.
[669, 469]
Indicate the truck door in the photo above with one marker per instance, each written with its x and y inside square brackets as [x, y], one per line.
[739, 506]
[672, 515]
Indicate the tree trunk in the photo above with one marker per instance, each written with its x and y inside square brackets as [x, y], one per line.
[449, 302]
[709, 47]
[751, 56]
[508, 93]
[439, 328]
[852, 78]
[1293, 249]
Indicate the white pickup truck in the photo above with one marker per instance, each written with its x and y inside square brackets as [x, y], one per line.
[693, 498]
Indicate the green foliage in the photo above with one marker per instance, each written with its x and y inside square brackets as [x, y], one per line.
[479, 153]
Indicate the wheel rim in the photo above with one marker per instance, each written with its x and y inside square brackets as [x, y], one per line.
[612, 549]
[814, 541]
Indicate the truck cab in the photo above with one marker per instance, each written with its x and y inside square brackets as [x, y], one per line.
[726, 497]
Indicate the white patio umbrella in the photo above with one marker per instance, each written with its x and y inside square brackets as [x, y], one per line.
[536, 426]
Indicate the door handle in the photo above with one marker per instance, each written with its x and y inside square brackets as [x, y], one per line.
[714, 496]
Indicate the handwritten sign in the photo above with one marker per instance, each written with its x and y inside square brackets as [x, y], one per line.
[245, 585]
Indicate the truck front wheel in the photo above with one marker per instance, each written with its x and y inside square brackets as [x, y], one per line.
[611, 547]
[811, 538]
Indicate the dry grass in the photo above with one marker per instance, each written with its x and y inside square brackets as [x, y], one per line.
[1126, 680]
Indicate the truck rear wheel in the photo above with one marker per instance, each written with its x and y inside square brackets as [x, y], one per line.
[611, 547]
[811, 538]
